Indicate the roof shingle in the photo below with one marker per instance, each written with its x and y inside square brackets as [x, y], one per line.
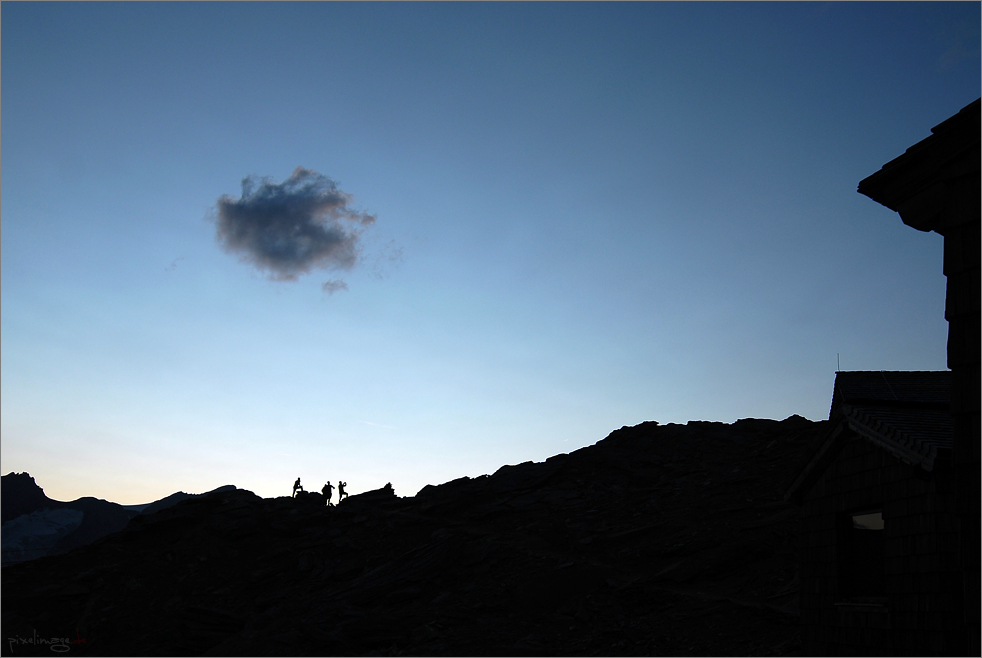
[905, 413]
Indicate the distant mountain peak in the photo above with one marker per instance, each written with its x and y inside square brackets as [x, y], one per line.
[20, 494]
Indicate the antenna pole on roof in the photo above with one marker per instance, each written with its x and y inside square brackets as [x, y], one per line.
[837, 362]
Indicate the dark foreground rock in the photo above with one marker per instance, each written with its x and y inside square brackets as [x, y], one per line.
[658, 540]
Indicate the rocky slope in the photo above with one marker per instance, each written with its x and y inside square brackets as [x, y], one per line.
[657, 540]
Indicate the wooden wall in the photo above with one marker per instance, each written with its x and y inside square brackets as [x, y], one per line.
[963, 308]
[921, 609]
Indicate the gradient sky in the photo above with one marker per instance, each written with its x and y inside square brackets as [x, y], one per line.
[587, 216]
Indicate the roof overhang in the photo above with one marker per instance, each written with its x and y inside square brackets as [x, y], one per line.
[936, 181]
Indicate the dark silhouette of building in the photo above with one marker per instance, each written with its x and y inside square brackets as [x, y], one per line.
[878, 559]
[891, 457]
[935, 186]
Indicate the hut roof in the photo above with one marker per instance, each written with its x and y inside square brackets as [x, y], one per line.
[905, 413]
[881, 388]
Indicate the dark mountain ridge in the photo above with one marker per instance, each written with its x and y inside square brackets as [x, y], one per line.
[20, 495]
[658, 539]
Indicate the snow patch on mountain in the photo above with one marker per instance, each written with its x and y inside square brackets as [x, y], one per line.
[30, 536]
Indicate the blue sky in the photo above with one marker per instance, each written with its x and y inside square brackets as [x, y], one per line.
[587, 216]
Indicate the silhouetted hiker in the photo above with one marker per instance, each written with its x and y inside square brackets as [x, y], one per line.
[341, 492]
[296, 487]
[327, 490]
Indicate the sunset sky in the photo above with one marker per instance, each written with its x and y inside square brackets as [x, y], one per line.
[246, 242]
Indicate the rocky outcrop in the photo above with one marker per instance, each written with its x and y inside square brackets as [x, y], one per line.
[657, 540]
[374, 499]
[20, 494]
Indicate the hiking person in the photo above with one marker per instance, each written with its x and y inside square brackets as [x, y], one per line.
[296, 487]
[327, 491]
[341, 492]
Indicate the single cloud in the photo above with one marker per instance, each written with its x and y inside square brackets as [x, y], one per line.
[291, 228]
[331, 286]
